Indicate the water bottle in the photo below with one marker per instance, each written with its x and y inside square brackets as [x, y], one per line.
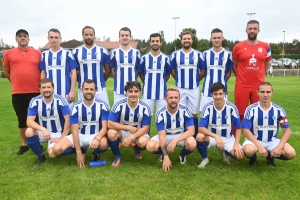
[98, 163]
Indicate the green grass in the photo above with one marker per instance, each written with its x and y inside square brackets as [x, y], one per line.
[143, 179]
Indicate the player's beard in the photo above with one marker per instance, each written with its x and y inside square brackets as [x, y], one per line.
[252, 36]
[186, 47]
[173, 105]
[88, 96]
[155, 48]
[88, 41]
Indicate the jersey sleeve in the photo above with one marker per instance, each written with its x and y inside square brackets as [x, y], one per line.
[269, 55]
[74, 118]
[32, 109]
[114, 116]
[112, 60]
[204, 61]
[42, 65]
[146, 120]
[71, 61]
[65, 110]
[188, 117]
[229, 63]
[6, 59]
[137, 61]
[142, 65]
[204, 118]
[106, 57]
[235, 56]
[201, 64]
[167, 66]
[247, 121]
[173, 64]
[283, 121]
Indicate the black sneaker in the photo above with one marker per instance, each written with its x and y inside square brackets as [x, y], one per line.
[22, 150]
[40, 160]
[137, 154]
[252, 162]
[270, 161]
[182, 159]
[96, 157]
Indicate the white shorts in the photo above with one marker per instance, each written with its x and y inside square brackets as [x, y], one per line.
[269, 146]
[159, 104]
[228, 143]
[205, 99]
[84, 140]
[53, 135]
[100, 94]
[118, 96]
[190, 98]
[170, 138]
[127, 133]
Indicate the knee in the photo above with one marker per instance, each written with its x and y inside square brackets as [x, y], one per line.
[289, 153]
[152, 146]
[112, 134]
[190, 144]
[249, 150]
[200, 137]
[142, 141]
[51, 153]
[29, 132]
[103, 143]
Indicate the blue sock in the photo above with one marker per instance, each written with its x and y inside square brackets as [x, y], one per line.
[68, 151]
[253, 156]
[137, 148]
[159, 151]
[114, 145]
[202, 148]
[34, 145]
[230, 155]
[196, 126]
[98, 151]
[184, 152]
[282, 157]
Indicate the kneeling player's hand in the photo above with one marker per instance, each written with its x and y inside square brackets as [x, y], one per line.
[220, 143]
[46, 134]
[54, 140]
[133, 129]
[238, 151]
[126, 142]
[171, 146]
[80, 160]
[95, 143]
[277, 151]
[167, 164]
[262, 151]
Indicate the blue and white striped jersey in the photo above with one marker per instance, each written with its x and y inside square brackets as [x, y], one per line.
[89, 118]
[187, 68]
[126, 64]
[58, 66]
[264, 124]
[155, 70]
[91, 62]
[50, 115]
[174, 123]
[138, 117]
[220, 121]
[216, 66]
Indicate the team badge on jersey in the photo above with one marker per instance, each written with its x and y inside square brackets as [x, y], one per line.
[260, 50]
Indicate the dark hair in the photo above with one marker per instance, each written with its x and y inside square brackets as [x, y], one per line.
[155, 35]
[46, 80]
[131, 84]
[88, 81]
[253, 22]
[86, 27]
[186, 33]
[54, 30]
[125, 29]
[217, 86]
[216, 30]
[266, 84]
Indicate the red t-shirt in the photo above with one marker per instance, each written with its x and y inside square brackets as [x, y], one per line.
[24, 69]
[251, 60]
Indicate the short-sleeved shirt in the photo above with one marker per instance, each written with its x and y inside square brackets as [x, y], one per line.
[24, 69]
[50, 115]
[174, 123]
[126, 64]
[137, 117]
[155, 69]
[264, 124]
[58, 66]
[187, 68]
[217, 65]
[220, 121]
[89, 118]
[251, 60]
[90, 63]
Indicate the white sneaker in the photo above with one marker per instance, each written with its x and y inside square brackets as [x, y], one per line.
[225, 157]
[203, 163]
[182, 159]
[160, 159]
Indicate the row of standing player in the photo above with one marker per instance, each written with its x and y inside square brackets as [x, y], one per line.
[250, 59]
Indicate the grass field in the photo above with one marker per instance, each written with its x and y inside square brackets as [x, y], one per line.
[143, 179]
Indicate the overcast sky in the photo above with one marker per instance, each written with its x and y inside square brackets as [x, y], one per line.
[144, 17]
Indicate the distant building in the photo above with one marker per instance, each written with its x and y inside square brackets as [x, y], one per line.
[71, 44]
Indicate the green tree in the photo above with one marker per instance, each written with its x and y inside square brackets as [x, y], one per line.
[203, 45]
[275, 48]
[163, 47]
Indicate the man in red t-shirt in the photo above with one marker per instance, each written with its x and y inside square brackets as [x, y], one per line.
[21, 68]
[250, 64]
